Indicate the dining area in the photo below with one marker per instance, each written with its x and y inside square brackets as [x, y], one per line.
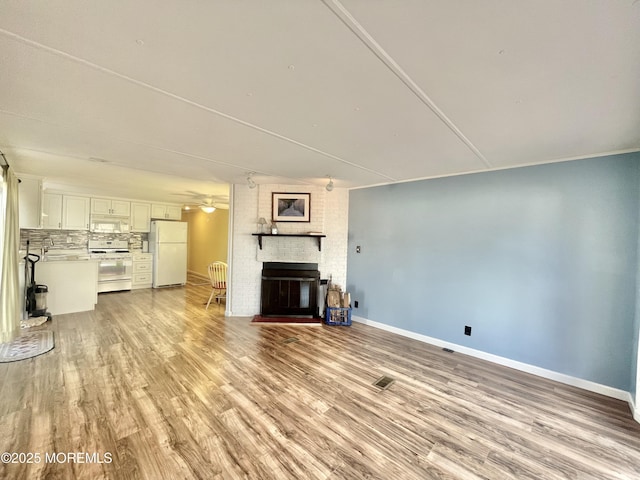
[207, 251]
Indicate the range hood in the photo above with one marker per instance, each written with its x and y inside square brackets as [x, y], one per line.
[109, 224]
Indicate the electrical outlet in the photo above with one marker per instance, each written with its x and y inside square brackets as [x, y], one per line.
[355, 303]
[467, 330]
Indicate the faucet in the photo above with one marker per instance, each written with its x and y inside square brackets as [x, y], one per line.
[45, 248]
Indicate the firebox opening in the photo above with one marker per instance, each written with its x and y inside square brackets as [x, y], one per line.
[289, 289]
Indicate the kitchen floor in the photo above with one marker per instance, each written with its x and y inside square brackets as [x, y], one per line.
[152, 386]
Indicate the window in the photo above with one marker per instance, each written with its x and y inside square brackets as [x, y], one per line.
[3, 208]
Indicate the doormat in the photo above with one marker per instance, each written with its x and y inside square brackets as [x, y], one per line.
[308, 322]
[27, 345]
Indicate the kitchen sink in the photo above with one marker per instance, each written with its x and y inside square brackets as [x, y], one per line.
[49, 257]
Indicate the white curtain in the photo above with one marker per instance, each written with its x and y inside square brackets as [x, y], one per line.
[10, 295]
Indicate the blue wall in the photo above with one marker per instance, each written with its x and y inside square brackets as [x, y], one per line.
[636, 332]
[540, 261]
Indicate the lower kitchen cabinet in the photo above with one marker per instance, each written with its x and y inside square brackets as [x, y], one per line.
[72, 284]
[142, 270]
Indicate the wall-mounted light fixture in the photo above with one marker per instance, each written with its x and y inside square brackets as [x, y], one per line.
[329, 186]
[250, 182]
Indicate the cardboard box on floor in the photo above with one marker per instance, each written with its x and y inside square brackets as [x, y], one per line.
[346, 300]
[336, 299]
[333, 298]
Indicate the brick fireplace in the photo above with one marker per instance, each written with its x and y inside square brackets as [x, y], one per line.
[329, 215]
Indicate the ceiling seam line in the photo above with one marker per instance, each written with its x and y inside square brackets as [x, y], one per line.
[498, 169]
[414, 179]
[140, 83]
[131, 142]
[110, 163]
[152, 147]
[359, 31]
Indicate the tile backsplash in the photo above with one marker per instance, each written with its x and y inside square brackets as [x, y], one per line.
[74, 239]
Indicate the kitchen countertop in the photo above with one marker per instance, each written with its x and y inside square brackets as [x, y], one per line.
[68, 258]
[60, 256]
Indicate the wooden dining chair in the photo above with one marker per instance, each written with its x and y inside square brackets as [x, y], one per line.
[218, 278]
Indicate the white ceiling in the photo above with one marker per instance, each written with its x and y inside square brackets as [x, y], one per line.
[192, 95]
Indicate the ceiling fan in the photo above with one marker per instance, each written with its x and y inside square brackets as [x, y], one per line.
[207, 203]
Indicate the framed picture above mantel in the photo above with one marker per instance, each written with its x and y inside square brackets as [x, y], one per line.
[291, 207]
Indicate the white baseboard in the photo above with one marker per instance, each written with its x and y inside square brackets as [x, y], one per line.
[199, 275]
[635, 411]
[524, 367]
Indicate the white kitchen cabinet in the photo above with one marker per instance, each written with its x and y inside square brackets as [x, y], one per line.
[52, 211]
[142, 270]
[166, 212]
[75, 212]
[67, 212]
[30, 202]
[108, 206]
[140, 217]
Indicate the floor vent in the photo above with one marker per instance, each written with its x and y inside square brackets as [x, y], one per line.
[290, 340]
[448, 350]
[384, 382]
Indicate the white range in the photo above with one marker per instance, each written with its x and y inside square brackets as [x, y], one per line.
[115, 267]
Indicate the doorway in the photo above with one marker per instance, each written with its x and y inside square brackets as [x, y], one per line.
[207, 240]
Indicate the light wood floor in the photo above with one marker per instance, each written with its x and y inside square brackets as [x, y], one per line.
[171, 391]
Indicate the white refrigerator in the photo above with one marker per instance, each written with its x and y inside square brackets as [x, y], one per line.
[168, 243]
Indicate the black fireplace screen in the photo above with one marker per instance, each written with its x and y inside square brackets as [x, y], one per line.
[289, 289]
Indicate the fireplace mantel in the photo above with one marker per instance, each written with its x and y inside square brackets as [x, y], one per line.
[310, 235]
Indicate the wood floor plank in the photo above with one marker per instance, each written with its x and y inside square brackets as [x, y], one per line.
[171, 390]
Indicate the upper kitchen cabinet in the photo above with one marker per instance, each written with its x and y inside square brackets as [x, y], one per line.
[66, 212]
[52, 211]
[140, 217]
[108, 206]
[166, 211]
[75, 212]
[30, 202]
